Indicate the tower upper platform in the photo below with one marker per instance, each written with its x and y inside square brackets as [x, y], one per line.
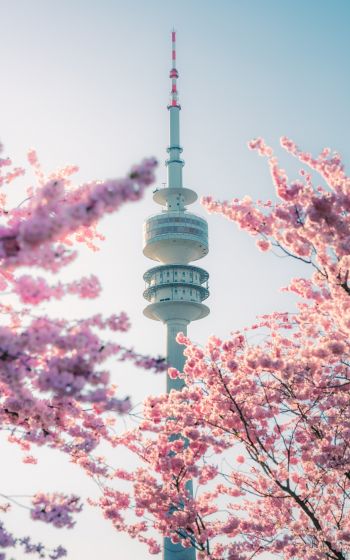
[175, 237]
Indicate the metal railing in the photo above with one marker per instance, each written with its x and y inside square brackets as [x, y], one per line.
[168, 271]
[152, 290]
[182, 213]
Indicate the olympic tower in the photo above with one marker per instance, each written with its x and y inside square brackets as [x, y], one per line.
[175, 237]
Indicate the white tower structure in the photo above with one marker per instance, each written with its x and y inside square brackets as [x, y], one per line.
[175, 237]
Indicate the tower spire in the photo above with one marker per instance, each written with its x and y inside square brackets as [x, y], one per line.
[173, 72]
[174, 163]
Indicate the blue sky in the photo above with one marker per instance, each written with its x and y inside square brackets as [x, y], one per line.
[86, 82]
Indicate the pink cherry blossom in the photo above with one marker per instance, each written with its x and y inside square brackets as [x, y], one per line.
[54, 385]
[56, 509]
[263, 245]
[261, 429]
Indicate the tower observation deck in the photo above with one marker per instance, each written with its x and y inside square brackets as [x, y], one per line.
[174, 238]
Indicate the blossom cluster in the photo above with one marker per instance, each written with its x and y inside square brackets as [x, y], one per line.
[262, 431]
[7, 540]
[33, 291]
[54, 385]
[309, 223]
[37, 233]
[56, 509]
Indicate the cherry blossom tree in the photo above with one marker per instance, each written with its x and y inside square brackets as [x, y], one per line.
[262, 430]
[54, 389]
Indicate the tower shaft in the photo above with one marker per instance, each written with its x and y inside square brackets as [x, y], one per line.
[176, 358]
[175, 354]
[174, 163]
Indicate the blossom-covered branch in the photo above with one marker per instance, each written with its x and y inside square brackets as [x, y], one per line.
[262, 430]
[54, 387]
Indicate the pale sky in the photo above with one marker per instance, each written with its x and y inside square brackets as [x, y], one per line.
[86, 82]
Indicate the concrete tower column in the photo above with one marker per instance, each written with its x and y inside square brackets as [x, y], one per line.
[175, 356]
[177, 552]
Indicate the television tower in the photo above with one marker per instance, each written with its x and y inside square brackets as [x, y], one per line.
[175, 289]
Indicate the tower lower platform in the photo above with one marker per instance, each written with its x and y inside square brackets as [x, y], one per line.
[176, 310]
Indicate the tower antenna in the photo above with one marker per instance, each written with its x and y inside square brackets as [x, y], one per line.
[173, 72]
